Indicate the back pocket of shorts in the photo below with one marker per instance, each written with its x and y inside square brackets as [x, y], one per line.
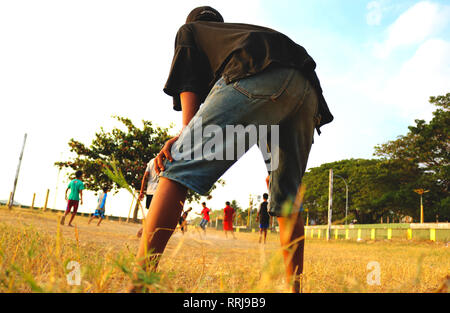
[269, 84]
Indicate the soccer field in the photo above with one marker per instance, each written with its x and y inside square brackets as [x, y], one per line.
[38, 255]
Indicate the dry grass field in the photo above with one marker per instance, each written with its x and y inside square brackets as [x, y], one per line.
[35, 252]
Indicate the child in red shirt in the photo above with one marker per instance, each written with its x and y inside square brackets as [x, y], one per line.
[205, 219]
[228, 214]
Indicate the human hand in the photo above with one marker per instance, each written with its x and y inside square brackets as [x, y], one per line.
[141, 196]
[164, 154]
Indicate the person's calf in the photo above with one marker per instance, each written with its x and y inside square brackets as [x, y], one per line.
[292, 242]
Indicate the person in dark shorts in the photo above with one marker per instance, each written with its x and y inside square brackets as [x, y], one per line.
[183, 221]
[76, 187]
[236, 74]
[264, 218]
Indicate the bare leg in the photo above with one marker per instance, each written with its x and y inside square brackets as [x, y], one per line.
[90, 220]
[101, 219]
[64, 218]
[71, 218]
[165, 209]
[265, 234]
[293, 243]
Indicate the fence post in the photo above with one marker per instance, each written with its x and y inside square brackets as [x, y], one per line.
[32, 202]
[359, 234]
[409, 234]
[9, 200]
[319, 233]
[389, 233]
[347, 234]
[46, 199]
[432, 234]
[336, 233]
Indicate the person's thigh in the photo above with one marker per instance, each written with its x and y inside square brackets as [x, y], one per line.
[148, 200]
[295, 140]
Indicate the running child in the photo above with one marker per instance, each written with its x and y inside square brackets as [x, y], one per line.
[76, 187]
[205, 212]
[183, 221]
[100, 211]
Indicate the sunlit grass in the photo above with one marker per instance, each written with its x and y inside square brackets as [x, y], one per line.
[35, 251]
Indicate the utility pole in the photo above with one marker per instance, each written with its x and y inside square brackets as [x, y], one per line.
[330, 203]
[11, 200]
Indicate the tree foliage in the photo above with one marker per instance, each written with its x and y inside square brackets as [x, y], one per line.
[130, 148]
[385, 187]
[426, 147]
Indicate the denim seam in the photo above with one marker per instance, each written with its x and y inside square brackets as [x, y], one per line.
[184, 183]
[271, 97]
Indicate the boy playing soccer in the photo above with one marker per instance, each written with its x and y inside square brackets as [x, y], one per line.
[264, 218]
[76, 187]
[205, 212]
[100, 211]
[235, 74]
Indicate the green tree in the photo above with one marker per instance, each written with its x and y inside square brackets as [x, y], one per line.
[376, 189]
[426, 147]
[130, 149]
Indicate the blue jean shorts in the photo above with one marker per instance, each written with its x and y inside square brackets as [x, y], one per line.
[278, 100]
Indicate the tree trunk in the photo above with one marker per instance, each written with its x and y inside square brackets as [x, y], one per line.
[136, 211]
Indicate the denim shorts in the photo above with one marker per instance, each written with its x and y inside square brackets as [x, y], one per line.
[279, 100]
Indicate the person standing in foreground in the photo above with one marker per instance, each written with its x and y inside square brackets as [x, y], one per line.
[101, 206]
[228, 215]
[236, 74]
[264, 218]
[76, 187]
[150, 180]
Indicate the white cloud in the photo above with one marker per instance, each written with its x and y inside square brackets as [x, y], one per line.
[375, 13]
[425, 74]
[66, 67]
[414, 26]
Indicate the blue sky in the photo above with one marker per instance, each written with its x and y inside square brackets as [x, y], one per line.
[66, 67]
